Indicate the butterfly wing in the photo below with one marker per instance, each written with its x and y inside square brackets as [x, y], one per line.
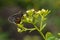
[15, 18]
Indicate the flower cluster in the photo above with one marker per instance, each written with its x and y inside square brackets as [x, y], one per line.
[35, 18]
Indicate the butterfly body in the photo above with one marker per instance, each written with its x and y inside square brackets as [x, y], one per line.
[15, 18]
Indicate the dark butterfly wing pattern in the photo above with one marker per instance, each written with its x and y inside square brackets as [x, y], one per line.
[15, 18]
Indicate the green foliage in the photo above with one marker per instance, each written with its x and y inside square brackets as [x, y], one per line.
[50, 36]
[38, 19]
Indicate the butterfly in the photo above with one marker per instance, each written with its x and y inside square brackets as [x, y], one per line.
[15, 18]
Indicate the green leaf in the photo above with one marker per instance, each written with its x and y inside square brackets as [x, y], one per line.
[50, 36]
[42, 27]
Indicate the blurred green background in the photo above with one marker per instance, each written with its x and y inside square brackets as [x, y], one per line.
[9, 7]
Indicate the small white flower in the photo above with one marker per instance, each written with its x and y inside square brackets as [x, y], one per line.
[43, 10]
[38, 12]
[32, 9]
[29, 10]
[24, 15]
[18, 29]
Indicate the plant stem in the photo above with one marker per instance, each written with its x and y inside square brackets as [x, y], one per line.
[41, 22]
[36, 27]
[42, 34]
[39, 31]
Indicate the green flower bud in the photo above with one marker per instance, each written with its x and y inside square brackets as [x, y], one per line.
[30, 12]
[18, 29]
[24, 15]
[43, 10]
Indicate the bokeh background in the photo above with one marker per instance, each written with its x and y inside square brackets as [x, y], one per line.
[8, 30]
